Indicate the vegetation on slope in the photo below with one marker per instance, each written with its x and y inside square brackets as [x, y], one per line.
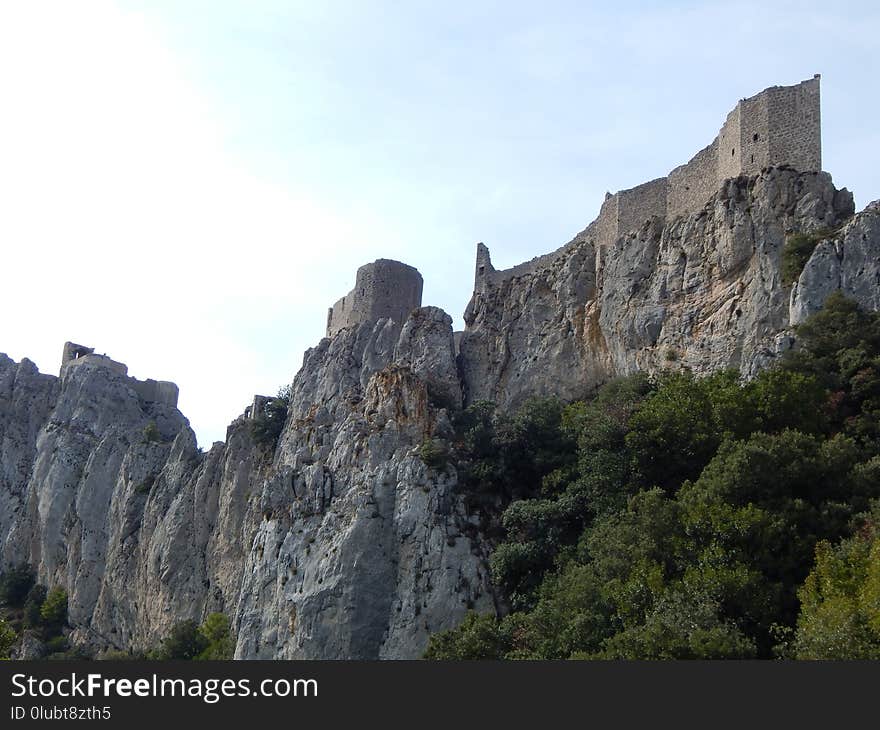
[797, 251]
[188, 640]
[683, 517]
[267, 425]
[27, 606]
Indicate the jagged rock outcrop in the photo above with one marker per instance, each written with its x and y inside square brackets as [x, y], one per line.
[339, 541]
[131, 526]
[26, 399]
[848, 261]
[702, 291]
[363, 549]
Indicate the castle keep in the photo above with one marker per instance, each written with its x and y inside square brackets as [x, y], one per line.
[779, 126]
[384, 288]
[149, 390]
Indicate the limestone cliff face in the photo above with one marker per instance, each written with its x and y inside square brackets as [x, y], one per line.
[340, 542]
[362, 549]
[702, 291]
[26, 399]
[848, 261]
[141, 532]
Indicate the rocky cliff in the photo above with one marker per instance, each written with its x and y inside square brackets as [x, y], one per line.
[702, 291]
[340, 541]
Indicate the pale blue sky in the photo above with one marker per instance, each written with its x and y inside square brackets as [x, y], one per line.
[191, 184]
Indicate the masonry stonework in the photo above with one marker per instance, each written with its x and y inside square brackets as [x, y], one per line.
[640, 204]
[383, 289]
[690, 186]
[149, 390]
[257, 407]
[779, 126]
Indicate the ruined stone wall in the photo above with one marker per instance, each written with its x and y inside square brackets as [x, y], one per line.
[524, 268]
[101, 360]
[794, 126]
[754, 139]
[624, 211]
[340, 315]
[640, 204]
[257, 407]
[384, 288]
[155, 391]
[485, 273]
[778, 126]
[728, 149]
[483, 270]
[72, 351]
[691, 185]
[604, 228]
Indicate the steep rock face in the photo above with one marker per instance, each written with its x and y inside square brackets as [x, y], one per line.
[26, 399]
[135, 528]
[529, 334]
[338, 543]
[702, 291]
[848, 261]
[363, 549]
[180, 537]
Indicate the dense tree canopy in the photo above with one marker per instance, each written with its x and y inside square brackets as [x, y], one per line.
[685, 517]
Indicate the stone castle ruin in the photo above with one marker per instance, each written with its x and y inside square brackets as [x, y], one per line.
[778, 127]
[151, 391]
[257, 406]
[384, 288]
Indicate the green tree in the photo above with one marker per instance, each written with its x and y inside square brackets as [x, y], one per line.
[188, 640]
[118, 655]
[506, 457]
[152, 434]
[33, 606]
[840, 599]
[267, 425]
[797, 250]
[606, 473]
[840, 348]
[780, 399]
[434, 453]
[678, 427]
[15, 584]
[184, 642]
[683, 624]
[53, 612]
[477, 637]
[7, 639]
[220, 643]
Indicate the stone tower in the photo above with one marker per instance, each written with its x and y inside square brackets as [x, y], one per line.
[384, 288]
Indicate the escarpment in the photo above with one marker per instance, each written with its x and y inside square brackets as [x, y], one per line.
[703, 291]
[338, 541]
[335, 538]
[363, 549]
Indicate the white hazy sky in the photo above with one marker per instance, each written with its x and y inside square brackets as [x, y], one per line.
[187, 185]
